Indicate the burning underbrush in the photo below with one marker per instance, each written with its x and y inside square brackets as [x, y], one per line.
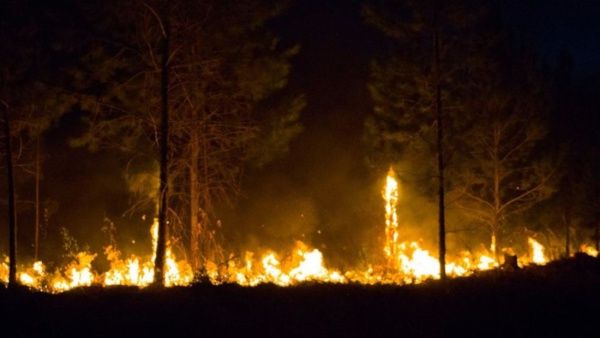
[401, 262]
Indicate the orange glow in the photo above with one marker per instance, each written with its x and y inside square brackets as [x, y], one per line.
[400, 262]
[536, 252]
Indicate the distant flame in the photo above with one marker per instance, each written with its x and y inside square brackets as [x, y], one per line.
[590, 250]
[537, 251]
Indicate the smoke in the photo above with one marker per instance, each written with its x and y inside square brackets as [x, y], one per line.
[144, 184]
[273, 214]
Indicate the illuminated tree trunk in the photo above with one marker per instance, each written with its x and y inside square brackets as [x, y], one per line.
[597, 236]
[440, 145]
[12, 219]
[495, 240]
[159, 263]
[194, 195]
[497, 204]
[566, 218]
[494, 243]
[207, 251]
[37, 199]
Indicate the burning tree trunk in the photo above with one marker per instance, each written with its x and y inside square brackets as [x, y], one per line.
[12, 221]
[390, 195]
[159, 263]
[408, 89]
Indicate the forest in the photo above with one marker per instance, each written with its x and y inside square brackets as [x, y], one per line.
[358, 147]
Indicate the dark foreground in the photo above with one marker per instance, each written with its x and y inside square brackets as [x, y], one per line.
[561, 299]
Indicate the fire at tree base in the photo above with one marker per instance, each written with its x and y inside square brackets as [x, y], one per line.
[405, 262]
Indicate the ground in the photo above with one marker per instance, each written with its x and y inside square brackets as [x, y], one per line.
[560, 299]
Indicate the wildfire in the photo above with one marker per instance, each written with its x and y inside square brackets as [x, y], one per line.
[407, 260]
[32, 275]
[302, 265]
[390, 196]
[590, 250]
[404, 262]
[536, 251]
[79, 272]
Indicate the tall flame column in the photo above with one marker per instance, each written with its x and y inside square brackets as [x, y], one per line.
[390, 195]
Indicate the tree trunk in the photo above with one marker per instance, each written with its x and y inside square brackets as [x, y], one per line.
[37, 199]
[494, 240]
[566, 221]
[497, 196]
[207, 251]
[494, 244]
[440, 145]
[12, 219]
[597, 236]
[159, 263]
[194, 196]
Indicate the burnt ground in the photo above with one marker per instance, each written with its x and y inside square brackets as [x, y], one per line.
[560, 299]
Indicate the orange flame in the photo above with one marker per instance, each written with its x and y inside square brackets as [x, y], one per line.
[405, 262]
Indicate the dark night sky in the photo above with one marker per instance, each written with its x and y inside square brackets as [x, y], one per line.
[560, 24]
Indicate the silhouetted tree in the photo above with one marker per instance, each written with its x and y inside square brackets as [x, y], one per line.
[503, 175]
[570, 212]
[31, 95]
[165, 53]
[12, 220]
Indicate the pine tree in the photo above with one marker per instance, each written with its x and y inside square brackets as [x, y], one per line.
[31, 96]
[416, 90]
[503, 175]
[225, 75]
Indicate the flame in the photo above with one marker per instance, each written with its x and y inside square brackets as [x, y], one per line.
[407, 260]
[132, 271]
[311, 268]
[403, 262]
[32, 276]
[302, 265]
[486, 263]
[536, 251]
[417, 263]
[590, 250]
[79, 272]
[390, 196]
